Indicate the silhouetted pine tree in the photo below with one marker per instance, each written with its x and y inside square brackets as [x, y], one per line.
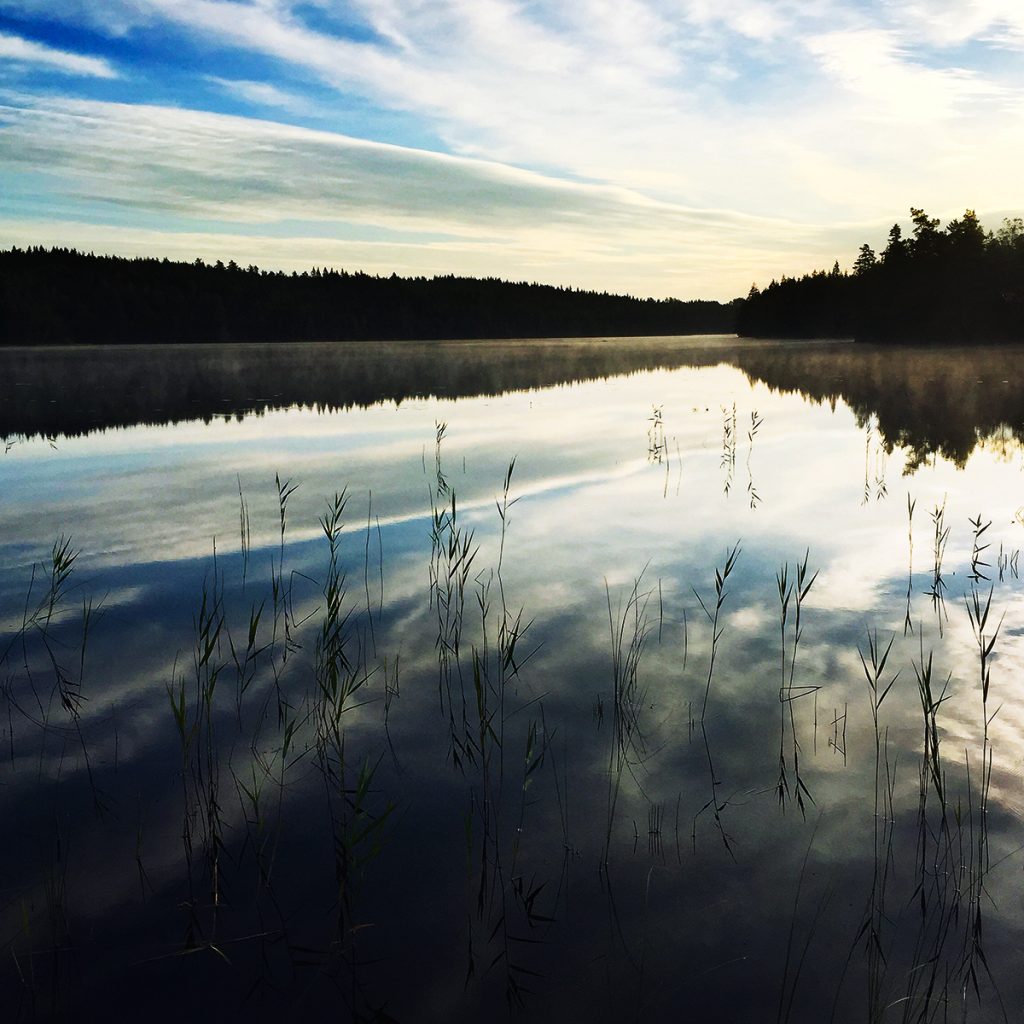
[958, 284]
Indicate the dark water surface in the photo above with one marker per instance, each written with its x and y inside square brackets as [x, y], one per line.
[382, 682]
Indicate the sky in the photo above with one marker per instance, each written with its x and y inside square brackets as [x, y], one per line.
[682, 148]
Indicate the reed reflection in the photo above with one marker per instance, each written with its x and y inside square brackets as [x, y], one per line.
[428, 712]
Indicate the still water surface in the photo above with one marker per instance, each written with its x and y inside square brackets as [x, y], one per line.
[489, 759]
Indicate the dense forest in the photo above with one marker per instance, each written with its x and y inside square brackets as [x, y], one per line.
[61, 296]
[952, 285]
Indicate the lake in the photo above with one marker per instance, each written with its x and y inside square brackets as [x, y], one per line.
[637, 679]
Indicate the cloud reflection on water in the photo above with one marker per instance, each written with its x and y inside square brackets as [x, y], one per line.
[594, 514]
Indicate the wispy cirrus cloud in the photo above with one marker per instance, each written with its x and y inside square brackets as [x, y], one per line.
[709, 104]
[316, 196]
[776, 115]
[261, 94]
[875, 67]
[31, 54]
[954, 22]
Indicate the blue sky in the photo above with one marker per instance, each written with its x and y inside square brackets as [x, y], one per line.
[658, 147]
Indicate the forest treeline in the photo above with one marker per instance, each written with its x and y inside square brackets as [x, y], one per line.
[62, 296]
[944, 285]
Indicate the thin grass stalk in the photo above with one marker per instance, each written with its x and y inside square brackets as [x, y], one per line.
[882, 835]
[908, 624]
[721, 593]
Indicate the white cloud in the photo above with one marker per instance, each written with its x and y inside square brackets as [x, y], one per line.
[707, 104]
[24, 51]
[116, 17]
[186, 167]
[262, 94]
[755, 19]
[231, 168]
[874, 66]
[821, 111]
[954, 22]
[635, 30]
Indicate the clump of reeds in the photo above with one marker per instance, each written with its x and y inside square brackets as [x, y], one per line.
[978, 611]
[713, 615]
[874, 484]
[656, 447]
[931, 701]
[196, 724]
[714, 804]
[940, 535]
[282, 592]
[755, 425]
[629, 626]
[729, 437]
[341, 673]
[793, 591]
[244, 531]
[908, 624]
[937, 892]
[453, 553]
[875, 918]
[978, 527]
[506, 903]
[837, 739]
[1008, 563]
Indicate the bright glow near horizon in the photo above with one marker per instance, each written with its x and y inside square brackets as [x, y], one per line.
[658, 147]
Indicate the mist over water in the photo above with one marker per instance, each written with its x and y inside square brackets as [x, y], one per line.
[652, 678]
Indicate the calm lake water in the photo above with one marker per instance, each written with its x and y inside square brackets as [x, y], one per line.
[650, 679]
